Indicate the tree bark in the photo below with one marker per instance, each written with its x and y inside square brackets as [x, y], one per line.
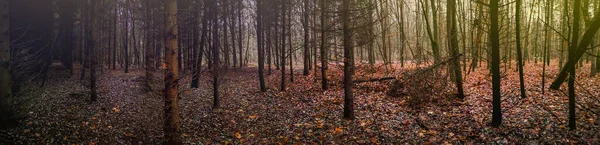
[519, 56]
[215, 53]
[348, 62]
[149, 51]
[5, 78]
[259, 41]
[172, 122]
[453, 44]
[324, 63]
[495, 67]
[283, 33]
[91, 47]
[306, 57]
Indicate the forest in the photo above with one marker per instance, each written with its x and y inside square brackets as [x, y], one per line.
[299, 72]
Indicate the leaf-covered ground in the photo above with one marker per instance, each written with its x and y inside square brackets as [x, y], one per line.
[61, 113]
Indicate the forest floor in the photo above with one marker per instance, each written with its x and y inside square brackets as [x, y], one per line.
[61, 113]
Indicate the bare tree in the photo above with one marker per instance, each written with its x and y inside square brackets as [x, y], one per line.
[495, 41]
[5, 80]
[172, 127]
[348, 62]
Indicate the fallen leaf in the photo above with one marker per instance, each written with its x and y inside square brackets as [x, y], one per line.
[252, 117]
[238, 135]
[116, 110]
[375, 140]
[338, 130]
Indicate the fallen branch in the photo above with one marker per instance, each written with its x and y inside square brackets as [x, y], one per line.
[406, 73]
[375, 79]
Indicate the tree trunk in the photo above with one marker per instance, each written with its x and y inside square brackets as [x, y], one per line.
[348, 62]
[519, 56]
[240, 31]
[126, 41]
[283, 33]
[5, 78]
[172, 122]
[114, 49]
[433, 36]
[259, 41]
[149, 51]
[453, 44]
[495, 42]
[324, 63]
[198, 66]
[306, 57]
[215, 52]
[92, 55]
[572, 51]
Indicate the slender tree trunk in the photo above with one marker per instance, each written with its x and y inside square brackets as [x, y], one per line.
[291, 52]
[519, 56]
[283, 33]
[453, 41]
[495, 42]
[136, 53]
[114, 50]
[215, 53]
[371, 35]
[268, 45]
[126, 42]
[92, 54]
[240, 31]
[196, 76]
[572, 51]
[259, 41]
[5, 77]
[306, 57]
[233, 35]
[172, 122]
[348, 62]
[149, 51]
[324, 63]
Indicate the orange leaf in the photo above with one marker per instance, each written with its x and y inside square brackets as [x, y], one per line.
[375, 140]
[338, 130]
[253, 117]
[238, 135]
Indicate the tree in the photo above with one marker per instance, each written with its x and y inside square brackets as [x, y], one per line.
[259, 41]
[240, 24]
[453, 45]
[433, 36]
[306, 39]
[67, 12]
[282, 51]
[215, 53]
[149, 51]
[114, 46]
[518, 39]
[5, 78]
[572, 50]
[495, 41]
[92, 55]
[126, 41]
[348, 62]
[578, 49]
[172, 127]
[198, 65]
[324, 63]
